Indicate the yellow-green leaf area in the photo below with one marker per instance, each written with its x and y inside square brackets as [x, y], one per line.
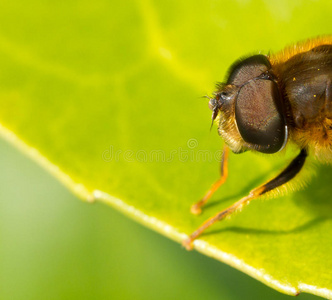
[107, 96]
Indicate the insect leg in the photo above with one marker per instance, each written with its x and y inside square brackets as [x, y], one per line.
[287, 174]
[196, 208]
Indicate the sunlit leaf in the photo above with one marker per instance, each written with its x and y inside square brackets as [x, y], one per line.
[107, 96]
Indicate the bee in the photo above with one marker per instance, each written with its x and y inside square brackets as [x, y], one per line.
[268, 102]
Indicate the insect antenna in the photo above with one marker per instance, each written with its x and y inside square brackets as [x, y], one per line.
[214, 109]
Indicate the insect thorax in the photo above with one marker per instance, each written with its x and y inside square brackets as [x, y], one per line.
[306, 80]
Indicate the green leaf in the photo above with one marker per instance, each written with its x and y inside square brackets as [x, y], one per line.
[106, 96]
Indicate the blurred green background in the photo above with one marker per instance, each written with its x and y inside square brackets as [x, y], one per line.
[53, 246]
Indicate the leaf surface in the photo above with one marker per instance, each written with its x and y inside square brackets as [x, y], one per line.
[107, 97]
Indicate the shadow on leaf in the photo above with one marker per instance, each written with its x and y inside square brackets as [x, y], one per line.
[307, 225]
[316, 198]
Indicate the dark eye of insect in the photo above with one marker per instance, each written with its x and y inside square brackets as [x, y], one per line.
[258, 108]
[259, 116]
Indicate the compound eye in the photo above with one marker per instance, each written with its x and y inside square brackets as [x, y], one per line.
[259, 117]
[247, 69]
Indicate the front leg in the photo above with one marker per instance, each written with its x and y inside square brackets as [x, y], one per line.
[196, 208]
[286, 175]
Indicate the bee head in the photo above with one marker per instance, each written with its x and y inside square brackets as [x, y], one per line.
[251, 111]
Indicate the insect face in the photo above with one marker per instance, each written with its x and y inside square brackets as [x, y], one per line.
[253, 116]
